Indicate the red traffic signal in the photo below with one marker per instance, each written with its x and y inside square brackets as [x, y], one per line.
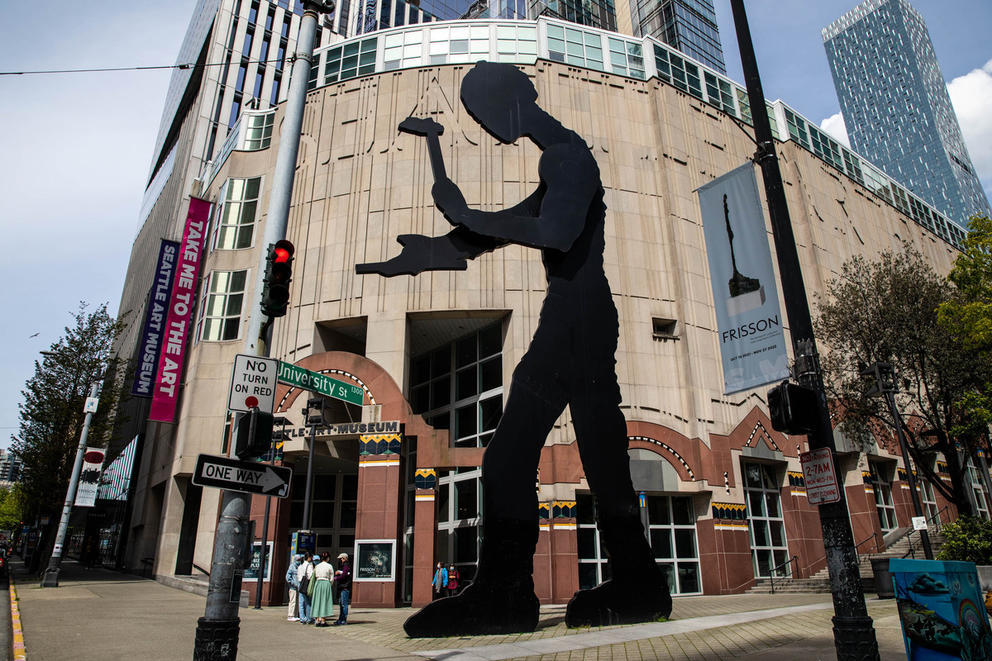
[283, 252]
[278, 274]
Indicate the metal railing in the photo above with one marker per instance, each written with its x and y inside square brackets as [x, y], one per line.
[857, 546]
[771, 572]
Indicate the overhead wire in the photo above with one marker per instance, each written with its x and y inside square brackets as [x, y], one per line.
[183, 65]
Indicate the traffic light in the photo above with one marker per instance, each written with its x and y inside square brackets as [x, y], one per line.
[253, 440]
[314, 412]
[792, 408]
[278, 274]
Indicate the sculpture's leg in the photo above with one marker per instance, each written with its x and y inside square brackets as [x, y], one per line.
[637, 591]
[501, 598]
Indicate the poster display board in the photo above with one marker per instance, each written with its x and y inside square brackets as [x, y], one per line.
[375, 560]
[255, 563]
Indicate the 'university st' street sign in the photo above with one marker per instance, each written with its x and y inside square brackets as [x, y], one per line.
[320, 383]
[246, 476]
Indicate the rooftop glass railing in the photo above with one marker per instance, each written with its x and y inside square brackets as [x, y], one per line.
[524, 42]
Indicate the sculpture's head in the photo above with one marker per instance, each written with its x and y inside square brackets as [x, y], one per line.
[499, 97]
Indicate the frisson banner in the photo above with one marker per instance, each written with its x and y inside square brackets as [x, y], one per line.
[749, 321]
[151, 338]
[89, 478]
[179, 316]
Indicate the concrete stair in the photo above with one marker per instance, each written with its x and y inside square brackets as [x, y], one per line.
[820, 582]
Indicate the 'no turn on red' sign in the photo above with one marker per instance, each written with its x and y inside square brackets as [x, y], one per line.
[253, 383]
[821, 478]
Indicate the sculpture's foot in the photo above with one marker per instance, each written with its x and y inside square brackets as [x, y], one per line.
[618, 603]
[478, 610]
[638, 591]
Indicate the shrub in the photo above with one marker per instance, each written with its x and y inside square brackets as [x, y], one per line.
[969, 539]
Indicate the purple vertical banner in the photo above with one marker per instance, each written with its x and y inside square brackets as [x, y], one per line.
[151, 338]
[179, 316]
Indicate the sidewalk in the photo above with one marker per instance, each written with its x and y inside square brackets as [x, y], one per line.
[97, 614]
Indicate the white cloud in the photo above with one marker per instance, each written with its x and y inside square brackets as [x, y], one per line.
[835, 127]
[971, 95]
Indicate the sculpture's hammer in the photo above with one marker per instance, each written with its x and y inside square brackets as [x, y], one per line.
[430, 129]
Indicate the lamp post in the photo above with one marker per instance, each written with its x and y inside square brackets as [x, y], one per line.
[885, 383]
[854, 636]
[50, 579]
[218, 630]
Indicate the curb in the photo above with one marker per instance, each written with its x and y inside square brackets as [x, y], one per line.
[19, 651]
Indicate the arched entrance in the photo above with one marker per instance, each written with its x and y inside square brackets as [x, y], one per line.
[364, 457]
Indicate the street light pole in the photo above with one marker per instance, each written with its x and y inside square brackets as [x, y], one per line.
[885, 382]
[218, 630]
[854, 636]
[50, 579]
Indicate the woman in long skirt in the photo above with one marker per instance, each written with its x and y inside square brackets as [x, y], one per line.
[322, 606]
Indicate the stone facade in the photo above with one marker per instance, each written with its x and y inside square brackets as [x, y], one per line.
[360, 183]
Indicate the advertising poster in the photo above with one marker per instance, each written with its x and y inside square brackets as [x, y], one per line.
[179, 315]
[89, 478]
[151, 338]
[375, 560]
[255, 563]
[749, 322]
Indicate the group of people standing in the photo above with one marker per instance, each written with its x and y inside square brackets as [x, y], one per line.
[313, 582]
[445, 581]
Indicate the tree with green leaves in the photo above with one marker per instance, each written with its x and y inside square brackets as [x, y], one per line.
[886, 311]
[51, 413]
[11, 507]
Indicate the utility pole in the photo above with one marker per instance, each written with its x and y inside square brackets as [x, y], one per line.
[50, 579]
[854, 636]
[885, 383]
[217, 631]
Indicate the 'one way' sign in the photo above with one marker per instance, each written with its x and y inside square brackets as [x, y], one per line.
[234, 475]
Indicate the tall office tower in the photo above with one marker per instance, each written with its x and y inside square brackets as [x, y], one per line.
[240, 51]
[10, 467]
[594, 13]
[687, 25]
[896, 106]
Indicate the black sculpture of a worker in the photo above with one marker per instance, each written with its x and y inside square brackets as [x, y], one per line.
[570, 361]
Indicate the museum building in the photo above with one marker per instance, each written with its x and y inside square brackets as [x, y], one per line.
[397, 478]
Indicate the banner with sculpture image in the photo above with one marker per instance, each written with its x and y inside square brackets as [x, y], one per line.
[749, 321]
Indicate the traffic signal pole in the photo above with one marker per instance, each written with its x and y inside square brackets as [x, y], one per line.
[218, 630]
[854, 636]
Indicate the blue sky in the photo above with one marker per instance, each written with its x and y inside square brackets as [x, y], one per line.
[75, 149]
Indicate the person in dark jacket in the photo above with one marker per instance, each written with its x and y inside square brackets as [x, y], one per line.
[342, 580]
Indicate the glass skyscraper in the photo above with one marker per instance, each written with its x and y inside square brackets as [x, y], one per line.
[896, 106]
[687, 25]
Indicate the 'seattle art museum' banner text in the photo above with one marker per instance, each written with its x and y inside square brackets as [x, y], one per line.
[749, 322]
[150, 349]
[179, 316]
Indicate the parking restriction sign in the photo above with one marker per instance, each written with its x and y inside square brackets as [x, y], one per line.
[821, 479]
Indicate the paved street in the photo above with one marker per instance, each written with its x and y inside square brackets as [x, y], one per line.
[97, 615]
